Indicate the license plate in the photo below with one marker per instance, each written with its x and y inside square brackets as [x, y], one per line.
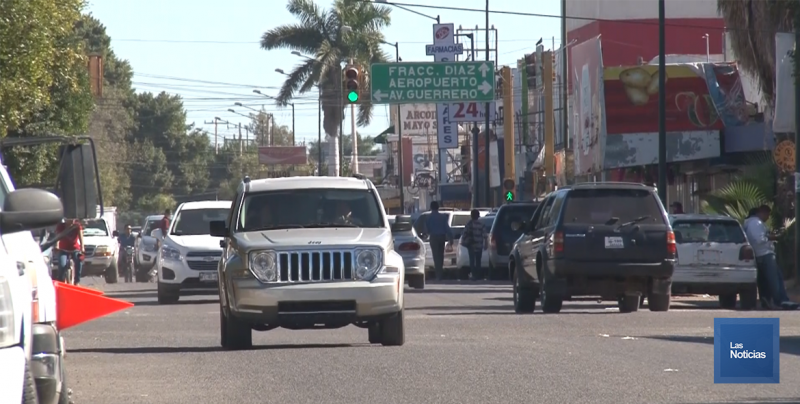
[614, 242]
[711, 256]
[208, 277]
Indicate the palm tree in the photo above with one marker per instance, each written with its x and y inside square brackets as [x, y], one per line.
[752, 25]
[320, 34]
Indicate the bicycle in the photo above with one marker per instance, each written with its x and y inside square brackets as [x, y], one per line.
[69, 271]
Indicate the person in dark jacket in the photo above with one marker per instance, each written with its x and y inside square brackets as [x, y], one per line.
[439, 233]
[474, 238]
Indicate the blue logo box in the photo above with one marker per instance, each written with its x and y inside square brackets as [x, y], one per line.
[747, 350]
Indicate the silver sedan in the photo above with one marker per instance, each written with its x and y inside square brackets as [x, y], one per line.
[408, 244]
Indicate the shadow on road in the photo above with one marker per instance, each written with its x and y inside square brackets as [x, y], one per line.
[760, 401]
[475, 308]
[180, 302]
[459, 291]
[204, 349]
[789, 345]
[145, 294]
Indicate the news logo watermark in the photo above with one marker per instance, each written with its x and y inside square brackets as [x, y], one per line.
[747, 350]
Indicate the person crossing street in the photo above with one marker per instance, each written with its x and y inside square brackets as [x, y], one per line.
[439, 233]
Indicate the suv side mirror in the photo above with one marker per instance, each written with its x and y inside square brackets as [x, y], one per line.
[517, 226]
[217, 228]
[30, 209]
[115, 234]
[78, 181]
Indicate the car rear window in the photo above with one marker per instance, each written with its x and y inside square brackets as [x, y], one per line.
[701, 231]
[612, 206]
[511, 214]
[460, 220]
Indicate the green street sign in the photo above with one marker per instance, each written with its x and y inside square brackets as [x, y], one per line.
[509, 196]
[431, 82]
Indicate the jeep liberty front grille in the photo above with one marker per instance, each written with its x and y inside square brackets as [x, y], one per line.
[315, 266]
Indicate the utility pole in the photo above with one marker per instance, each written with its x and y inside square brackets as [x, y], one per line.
[487, 138]
[662, 105]
[354, 166]
[508, 127]
[216, 138]
[271, 130]
[549, 119]
[319, 134]
[293, 135]
[564, 77]
[796, 145]
[240, 139]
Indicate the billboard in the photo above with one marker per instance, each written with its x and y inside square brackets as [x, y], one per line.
[700, 97]
[289, 155]
[418, 119]
[586, 70]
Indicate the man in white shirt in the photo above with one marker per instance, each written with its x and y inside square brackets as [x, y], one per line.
[762, 243]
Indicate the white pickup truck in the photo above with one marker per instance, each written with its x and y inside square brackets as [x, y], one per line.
[31, 347]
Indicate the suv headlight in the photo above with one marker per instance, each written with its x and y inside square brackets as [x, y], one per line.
[368, 262]
[7, 330]
[264, 265]
[170, 253]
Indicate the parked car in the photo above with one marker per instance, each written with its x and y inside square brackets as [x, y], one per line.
[607, 239]
[462, 255]
[714, 258]
[145, 246]
[502, 236]
[408, 244]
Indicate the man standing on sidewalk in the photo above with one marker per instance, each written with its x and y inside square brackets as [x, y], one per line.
[439, 233]
[761, 241]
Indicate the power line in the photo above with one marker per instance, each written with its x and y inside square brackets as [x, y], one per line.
[180, 41]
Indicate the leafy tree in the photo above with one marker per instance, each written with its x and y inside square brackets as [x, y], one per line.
[319, 33]
[39, 58]
[150, 174]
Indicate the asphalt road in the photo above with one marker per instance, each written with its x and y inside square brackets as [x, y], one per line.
[464, 344]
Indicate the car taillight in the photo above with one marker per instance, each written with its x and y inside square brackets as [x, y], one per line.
[672, 248]
[409, 247]
[492, 242]
[746, 253]
[558, 242]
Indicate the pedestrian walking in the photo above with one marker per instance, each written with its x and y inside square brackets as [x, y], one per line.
[773, 293]
[439, 234]
[474, 239]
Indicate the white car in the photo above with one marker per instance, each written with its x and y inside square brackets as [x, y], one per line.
[189, 255]
[146, 248]
[462, 255]
[714, 258]
[457, 220]
[102, 250]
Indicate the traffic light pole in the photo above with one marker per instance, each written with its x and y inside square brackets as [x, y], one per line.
[487, 159]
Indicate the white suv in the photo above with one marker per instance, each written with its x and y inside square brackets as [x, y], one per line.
[189, 255]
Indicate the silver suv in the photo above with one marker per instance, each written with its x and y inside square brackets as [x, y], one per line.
[308, 253]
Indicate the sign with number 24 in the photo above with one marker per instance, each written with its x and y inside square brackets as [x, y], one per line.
[471, 111]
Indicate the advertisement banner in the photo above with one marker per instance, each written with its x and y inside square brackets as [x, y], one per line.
[418, 119]
[587, 75]
[447, 133]
[289, 155]
[700, 97]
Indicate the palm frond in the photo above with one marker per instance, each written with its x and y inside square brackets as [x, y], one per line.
[295, 81]
[297, 37]
[308, 12]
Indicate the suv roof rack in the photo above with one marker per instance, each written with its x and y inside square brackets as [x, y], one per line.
[584, 184]
[246, 179]
[359, 176]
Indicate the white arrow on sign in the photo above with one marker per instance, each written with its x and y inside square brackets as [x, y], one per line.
[485, 87]
[378, 96]
[484, 69]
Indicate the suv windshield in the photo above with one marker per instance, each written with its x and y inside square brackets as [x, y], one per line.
[612, 206]
[304, 208]
[196, 222]
[95, 227]
[150, 226]
[701, 231]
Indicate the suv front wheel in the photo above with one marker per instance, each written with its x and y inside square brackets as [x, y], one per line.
[234, 334]
[392, 330]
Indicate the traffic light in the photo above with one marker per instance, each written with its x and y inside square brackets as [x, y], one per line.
[530, 69]
[508, 187]
[351, 83]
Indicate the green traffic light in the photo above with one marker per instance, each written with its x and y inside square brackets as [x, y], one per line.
[352, 96]
[509, 196]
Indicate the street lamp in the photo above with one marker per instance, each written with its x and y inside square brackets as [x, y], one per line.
[239, 104]
[273, 98]
[399, 127]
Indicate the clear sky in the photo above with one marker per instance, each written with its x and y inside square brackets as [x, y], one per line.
[208, 50]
